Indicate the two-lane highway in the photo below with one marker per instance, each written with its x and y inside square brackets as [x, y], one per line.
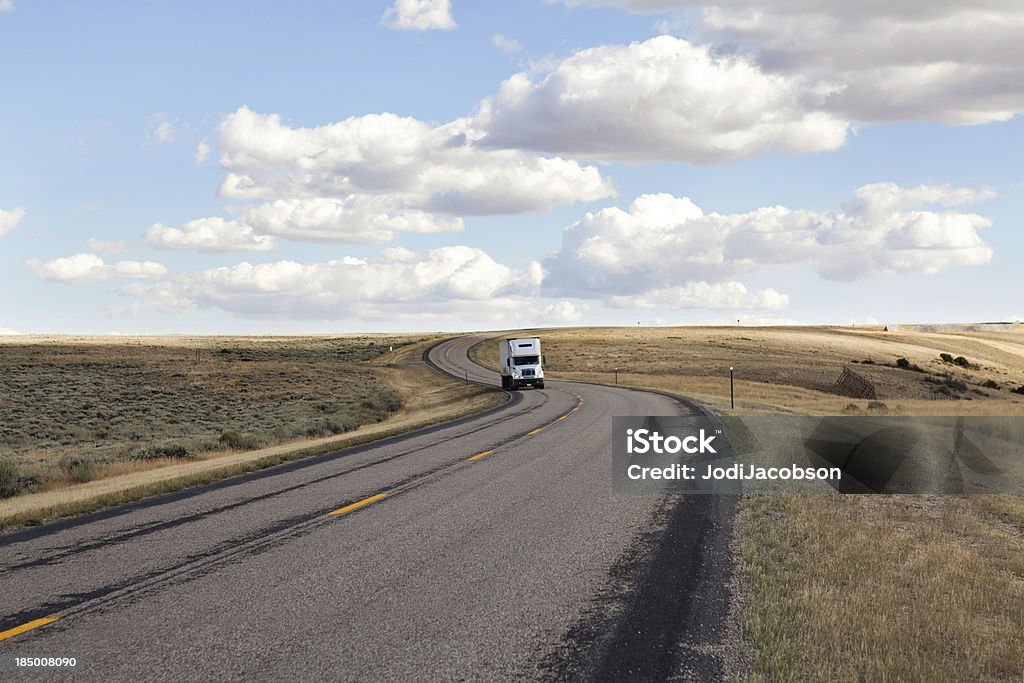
[488, 548]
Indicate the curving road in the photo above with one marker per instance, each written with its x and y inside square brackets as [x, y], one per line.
[488, 548]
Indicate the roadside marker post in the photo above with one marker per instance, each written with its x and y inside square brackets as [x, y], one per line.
[732, 393]
[616, 376]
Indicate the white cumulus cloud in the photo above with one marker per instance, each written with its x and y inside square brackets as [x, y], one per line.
[9, 219]
[350, 220]
[664, 250]
[942, 60]
[6, 5]
[364, 179]
[83, 267]
[420, 15]
[401, 160]
[209, 235]
[661, 99]
[565, 311]
[353, 220]
[397, 284]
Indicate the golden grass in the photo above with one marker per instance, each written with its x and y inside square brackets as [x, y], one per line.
[913, 588]
[871, 588]
[429, 398]
[791, 370]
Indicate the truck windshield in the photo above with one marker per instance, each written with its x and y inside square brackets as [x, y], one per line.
[526, 360]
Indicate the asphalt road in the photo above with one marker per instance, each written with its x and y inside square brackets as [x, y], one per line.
[519, 564]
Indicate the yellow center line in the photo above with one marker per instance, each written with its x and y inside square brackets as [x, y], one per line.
[18, 630]
[356, 506]
[538, 429]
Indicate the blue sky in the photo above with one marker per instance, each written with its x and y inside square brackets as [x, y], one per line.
[500, 194]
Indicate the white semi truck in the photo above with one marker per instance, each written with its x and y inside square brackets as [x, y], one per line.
[522, 364]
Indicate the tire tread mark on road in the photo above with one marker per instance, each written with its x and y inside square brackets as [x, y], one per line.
[253, 543]
[190, 568]
[70, 601]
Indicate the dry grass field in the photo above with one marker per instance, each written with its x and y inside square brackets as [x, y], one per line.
[794, 369]
[871, 588]
[116, 418]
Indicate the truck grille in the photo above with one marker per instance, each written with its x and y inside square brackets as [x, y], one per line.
[528, 373]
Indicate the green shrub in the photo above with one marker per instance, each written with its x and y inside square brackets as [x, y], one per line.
[30, 481]
[155, 452]
[946, 357]
[903, 363]
[877, 405]
[78, 469]
[10, 482]
[962, 362]
[991, 384]
[239, 441]
[329, 427]
[956, 384]
[1018, 390]
[946, 383]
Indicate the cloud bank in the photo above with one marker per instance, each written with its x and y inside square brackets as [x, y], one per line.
[664, 250]
[398, 284]
[661, 252]
[946, 61]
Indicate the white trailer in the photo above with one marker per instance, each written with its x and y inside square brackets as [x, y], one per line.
[522, 364]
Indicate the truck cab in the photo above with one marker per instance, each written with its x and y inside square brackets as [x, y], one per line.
[522, 364]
